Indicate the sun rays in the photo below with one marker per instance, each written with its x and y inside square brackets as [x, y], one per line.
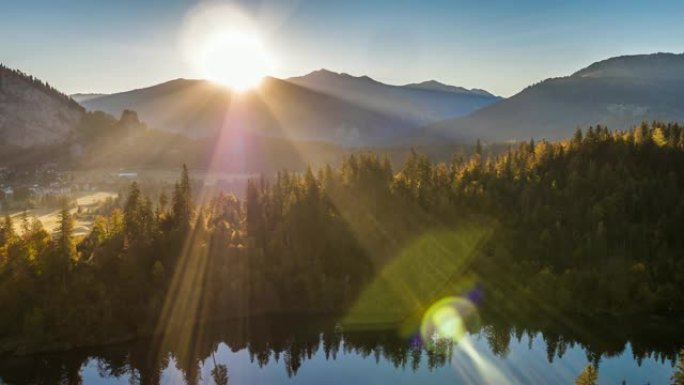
[419, 268]
[224, 45]
[236, 59]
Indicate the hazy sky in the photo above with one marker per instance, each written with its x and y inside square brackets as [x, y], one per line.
[501, 46]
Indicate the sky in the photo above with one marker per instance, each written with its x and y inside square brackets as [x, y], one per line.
[500, 46]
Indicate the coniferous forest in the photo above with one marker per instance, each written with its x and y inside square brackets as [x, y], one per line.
[587, 227]
[326, 192]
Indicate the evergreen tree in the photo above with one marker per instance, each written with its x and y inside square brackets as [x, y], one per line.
[64, 254]
[589, 376]
[66, 245]
[678, 376]
[182, 199]
[577, 138]
[7, 231]
[133, 220]
[163, 202]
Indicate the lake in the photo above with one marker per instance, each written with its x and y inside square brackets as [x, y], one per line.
[292, 350]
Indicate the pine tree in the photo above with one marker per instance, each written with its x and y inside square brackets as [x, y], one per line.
[7, 232]
[65, 242]
[254, 213]
[678, 376]
[116, 222]
[589, 376]
[659, 137]
[219, 373]
[133, 222]
[577, 138]
[163, 202]
[182, 199]
[65, 253]
[25, 223]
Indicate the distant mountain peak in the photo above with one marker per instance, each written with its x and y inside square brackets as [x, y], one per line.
[434, 85]
[659, 65]
[323, 105]
[322, 71]
[326, 74]
[618, 92]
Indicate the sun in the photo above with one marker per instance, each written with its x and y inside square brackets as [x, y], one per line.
[223, 43]
[235, 58]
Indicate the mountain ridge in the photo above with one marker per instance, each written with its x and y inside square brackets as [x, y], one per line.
[658, 65]
[618, 92]
[435, 85]
[32, 112]
[322, 105]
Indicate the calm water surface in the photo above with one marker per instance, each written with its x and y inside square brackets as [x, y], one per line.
[286, 352]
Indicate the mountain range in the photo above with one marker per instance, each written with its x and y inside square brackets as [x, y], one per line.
[322, 106]
[349, 111]
[619, 92]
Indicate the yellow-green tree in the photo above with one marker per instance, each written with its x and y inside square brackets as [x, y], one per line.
[678, 376]
[589, 376]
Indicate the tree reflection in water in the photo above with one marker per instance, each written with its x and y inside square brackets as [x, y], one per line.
[296, 340]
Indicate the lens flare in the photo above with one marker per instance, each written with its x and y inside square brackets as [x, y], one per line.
[224, 44]
[450, 319]
[236, 59]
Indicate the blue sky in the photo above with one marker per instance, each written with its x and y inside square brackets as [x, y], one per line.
[501, 46]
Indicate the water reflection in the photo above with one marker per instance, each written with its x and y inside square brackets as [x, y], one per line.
[271, 350]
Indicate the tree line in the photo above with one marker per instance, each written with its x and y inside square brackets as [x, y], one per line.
[45, 86]
[294, 341]
[587, 226]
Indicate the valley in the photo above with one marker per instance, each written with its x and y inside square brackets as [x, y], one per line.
[323, 192]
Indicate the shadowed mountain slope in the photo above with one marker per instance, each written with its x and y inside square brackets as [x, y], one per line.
[617, 92]
[323, 105]
[32, 113]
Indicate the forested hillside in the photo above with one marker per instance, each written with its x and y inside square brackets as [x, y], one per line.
[618, 92]
[582, 227]
[40, 125]
[128, 142]
[33, 113]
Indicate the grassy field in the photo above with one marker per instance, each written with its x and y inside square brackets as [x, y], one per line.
[50, 217]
